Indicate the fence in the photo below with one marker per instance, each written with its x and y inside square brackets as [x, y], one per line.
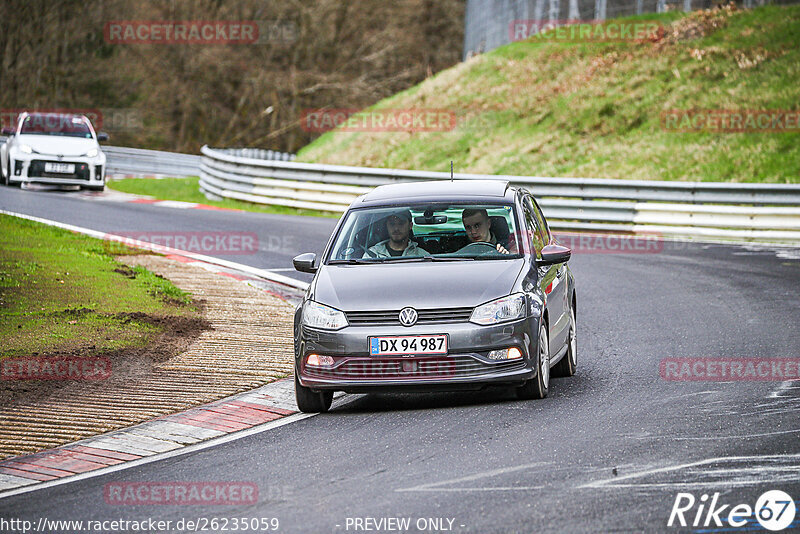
[768, 212]
[486, 24]
[123, 162]
[137, 162]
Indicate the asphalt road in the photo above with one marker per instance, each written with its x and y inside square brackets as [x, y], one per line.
[608, 451]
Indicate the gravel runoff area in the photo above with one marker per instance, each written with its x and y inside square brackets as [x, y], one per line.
[248, 343]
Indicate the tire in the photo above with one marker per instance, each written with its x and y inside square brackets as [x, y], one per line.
[537, 388]
[94, 187]
[7, 176]
[567, 365]
[310, 401]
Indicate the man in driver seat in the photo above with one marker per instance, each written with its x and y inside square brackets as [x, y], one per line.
[398, 225]
[478, 227]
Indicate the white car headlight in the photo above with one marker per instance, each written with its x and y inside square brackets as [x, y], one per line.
[501, 310]
[92, 153]
[318, 315]
[26, 149]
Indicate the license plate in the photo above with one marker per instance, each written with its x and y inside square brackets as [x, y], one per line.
[402, 345]
[66, 168]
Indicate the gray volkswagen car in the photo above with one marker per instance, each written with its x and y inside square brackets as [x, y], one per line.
[436, 286]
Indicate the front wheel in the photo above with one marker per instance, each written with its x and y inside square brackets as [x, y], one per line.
[567, 365]
[537, 388]
[310, 401]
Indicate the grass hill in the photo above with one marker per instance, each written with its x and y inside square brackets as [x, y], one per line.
[595, 109]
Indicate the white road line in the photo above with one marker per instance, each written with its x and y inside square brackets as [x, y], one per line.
[510, 488]
[776, 394]
[261, 273]
[611, 483]
[715, 438]
[485, 474]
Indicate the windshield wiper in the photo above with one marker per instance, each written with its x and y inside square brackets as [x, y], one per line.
[497, 257]
[354, 261]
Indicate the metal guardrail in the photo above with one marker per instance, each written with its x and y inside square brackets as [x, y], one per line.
[123, 161]
[136, 161]
[769, 212]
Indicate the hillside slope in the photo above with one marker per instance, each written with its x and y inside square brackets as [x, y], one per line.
[596, 109]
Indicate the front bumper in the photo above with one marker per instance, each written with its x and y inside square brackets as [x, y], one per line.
[30, 168]
[466, 366]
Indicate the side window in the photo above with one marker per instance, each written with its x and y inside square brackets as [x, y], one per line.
[533, 226]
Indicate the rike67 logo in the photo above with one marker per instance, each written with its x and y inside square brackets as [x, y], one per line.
[774, 510]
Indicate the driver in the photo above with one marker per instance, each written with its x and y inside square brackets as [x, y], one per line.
[398, 225]
[478, 227]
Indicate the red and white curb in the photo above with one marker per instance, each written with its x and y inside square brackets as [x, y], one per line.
[110, 195]
[198, 428]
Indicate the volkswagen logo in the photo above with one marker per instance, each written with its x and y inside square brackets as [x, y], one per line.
[408, 317]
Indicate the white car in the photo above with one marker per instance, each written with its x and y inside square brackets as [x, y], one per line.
[53, 148]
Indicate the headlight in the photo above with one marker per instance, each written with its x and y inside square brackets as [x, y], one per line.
[500, 311]
[92, 153]
[318, 315]
[26, 149]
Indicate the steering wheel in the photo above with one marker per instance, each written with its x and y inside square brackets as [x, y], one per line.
[476, 245]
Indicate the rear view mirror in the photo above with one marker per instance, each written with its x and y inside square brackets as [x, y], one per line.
[102, 136]
[436, 219]
[552, 254]
[8, 131]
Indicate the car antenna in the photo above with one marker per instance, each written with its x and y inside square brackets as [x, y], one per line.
[451, 170]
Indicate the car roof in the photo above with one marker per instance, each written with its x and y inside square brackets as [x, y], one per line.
[440, 190]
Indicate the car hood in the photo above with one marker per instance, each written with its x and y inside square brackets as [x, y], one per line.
[58, 145]
[392, 286]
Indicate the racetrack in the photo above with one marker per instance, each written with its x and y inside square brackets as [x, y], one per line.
[609, 450]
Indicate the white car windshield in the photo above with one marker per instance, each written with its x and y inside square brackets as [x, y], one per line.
[60, 125]
[433, 231]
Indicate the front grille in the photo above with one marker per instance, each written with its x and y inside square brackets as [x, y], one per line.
[440, 315]
[384, 368]
[36, 170]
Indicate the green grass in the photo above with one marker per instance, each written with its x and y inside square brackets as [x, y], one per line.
[188, 190]
[64, 292]
[594, 109]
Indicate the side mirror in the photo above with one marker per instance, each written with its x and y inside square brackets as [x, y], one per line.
[102, 136]
[8, 131]
[552, 254]
[305, 262]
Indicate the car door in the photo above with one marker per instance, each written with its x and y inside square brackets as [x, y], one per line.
[552, 280]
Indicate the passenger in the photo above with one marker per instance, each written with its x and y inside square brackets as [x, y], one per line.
[398, 225]
[478, 227]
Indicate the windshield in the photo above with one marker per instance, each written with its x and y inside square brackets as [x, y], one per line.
[428, 232]
[62, 125]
